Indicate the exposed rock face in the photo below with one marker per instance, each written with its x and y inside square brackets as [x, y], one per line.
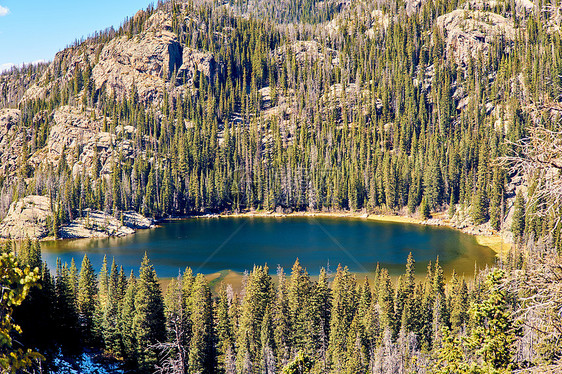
[14, 85]
[145, 61]
[26, 218]
[148, 61]
[62, 69]
[8, 118]
[194, 61]
[73, 127]
[468, 33]
[98, 224]
[307, 51]
[11, 140]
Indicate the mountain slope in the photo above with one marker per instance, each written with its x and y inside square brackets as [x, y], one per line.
[373, 106]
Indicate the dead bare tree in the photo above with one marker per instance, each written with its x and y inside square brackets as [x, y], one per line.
[539, 289]
[538, 158]
[174, 352]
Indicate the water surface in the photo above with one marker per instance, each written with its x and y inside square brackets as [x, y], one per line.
[209, 245]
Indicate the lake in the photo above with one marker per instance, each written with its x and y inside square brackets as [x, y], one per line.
[209, 245]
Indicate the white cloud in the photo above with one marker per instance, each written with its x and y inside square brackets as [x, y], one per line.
[4, 11]
[5, 67]
[8, 65]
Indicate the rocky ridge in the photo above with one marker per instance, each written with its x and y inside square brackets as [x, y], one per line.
[148, 64]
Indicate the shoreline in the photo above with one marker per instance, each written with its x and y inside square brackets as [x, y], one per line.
[495, 241]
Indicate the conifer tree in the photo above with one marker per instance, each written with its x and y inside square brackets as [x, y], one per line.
[281, 319]
[386, 303]
[257, 300]
[424, 209]
[103, 286]
[126, 322]
[495, 331]
[322, 300]
[110, 325]
[459, 303]
[299, 308]
[66, 317]
[224, 332]
[148, 321]
[86, 299]
[201, 352]
[342, 313]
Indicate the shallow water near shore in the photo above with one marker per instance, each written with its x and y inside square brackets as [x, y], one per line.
[209, 245]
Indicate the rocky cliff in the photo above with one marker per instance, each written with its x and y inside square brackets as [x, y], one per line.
[147, 64]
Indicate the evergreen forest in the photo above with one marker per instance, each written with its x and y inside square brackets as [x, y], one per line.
[425, 108]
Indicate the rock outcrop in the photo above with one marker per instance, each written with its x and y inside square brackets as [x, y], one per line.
[145, 62]
[27, 218]
[30, 217]
[306, 52]
[74, 128]
[11, 139]
[97, 224]
[65, 65]
[149, 64]
[468, 33]
[193, 62]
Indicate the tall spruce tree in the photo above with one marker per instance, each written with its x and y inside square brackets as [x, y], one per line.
[87, 299]
[148, 322]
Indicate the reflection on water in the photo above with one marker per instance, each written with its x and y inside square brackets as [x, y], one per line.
[208, 245]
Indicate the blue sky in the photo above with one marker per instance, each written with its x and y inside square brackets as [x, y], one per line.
[34, 30]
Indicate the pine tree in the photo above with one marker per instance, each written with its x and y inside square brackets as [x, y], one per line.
[495, 331]
[451, 357]
[496, 199]
[459, 303]
[103, 286]
[281, 319]
[126, 322]
[257, 300]
[299, 308]
[424, 209]
[322, 300]
[201, 352]
[66, 317]
[224, 331]
[480, 196]
[110, 325]
[148, 321]
[386, 303]
[86, 299]
[342, 313]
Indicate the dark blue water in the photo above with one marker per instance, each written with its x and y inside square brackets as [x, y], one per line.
[209, 245]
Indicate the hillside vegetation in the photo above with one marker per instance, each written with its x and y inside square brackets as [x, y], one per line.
[415, 107]
[214, 107]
